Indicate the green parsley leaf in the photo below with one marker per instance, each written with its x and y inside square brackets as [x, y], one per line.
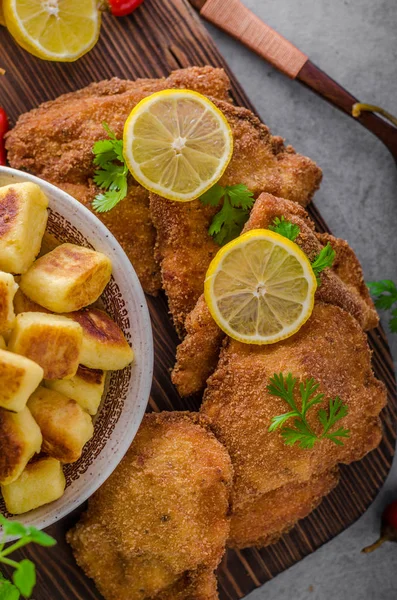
[13, 527]
[39, 537]
[279, 420]
[213, 196]
[283, 387]
[24, 577]
[335, 435]
[301, 435]
[112, 172]
[285, 228]
[105, 202]
[384, 293]
[8, 591]
[323, 260]
[384, 286]
[240, 196]
[228, 223]
[301, 432]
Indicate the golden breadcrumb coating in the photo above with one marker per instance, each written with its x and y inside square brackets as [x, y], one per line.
[55, 142]
[263, 163]
[350, 295]
[348, 268]
[157, 527]
[343, 285]
[184, 250]
[197, 355]
[263, 520]
[332, 348]
[184, 247]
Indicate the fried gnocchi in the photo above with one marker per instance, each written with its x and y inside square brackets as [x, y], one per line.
[23, 219]
[53, 341]
[64, 425]
[20, 439]
[41, 482]
[55, 349]
[67, 278]
[19, 377]
[86, 388]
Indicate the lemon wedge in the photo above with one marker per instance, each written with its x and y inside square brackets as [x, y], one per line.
[61, 30]
[177, 143]
[260, 288]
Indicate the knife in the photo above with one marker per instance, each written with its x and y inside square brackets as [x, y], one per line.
[233, 17]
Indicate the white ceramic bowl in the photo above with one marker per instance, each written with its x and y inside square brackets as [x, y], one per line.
[127, 392]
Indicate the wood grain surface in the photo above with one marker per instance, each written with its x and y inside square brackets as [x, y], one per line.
[163, 35]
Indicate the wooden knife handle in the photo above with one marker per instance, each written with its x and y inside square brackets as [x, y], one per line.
[238, 21]
[335, 94]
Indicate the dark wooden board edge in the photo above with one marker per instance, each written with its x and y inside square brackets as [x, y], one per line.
[164, 35]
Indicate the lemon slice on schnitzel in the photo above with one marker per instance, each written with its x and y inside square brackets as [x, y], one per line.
[177, 143]
[61, 30]
[260, 287]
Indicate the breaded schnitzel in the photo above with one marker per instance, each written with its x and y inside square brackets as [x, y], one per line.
[55, 142]
[157, 527]
[260, 161]
[263, 520]
[343, 285]
[330, 347]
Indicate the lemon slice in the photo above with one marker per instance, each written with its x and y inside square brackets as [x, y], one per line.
[177, 143]
[61, 30]
[260, 287]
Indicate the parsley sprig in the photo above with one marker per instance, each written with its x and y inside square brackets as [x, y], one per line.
[301, 432]
[285, 228]
[324, 260]
[111, 174]
[24, 575]
[384, 294]
[229, 221]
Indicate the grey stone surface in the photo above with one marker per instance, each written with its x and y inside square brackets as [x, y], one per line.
[355, 42]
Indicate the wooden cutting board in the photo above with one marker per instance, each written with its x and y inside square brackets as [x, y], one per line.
[164, 35]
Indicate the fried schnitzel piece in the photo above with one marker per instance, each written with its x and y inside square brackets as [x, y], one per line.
[197, 355]
[352, 296]
[160, 520]
[184, 250]
[263, 520]
[197, 585]
[184, 247]
[343, 285]
[55, 142]
[330, 347]
[348, 268]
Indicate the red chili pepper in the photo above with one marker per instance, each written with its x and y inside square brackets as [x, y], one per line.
[120, 8]
[3, 131]
[388, 532]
